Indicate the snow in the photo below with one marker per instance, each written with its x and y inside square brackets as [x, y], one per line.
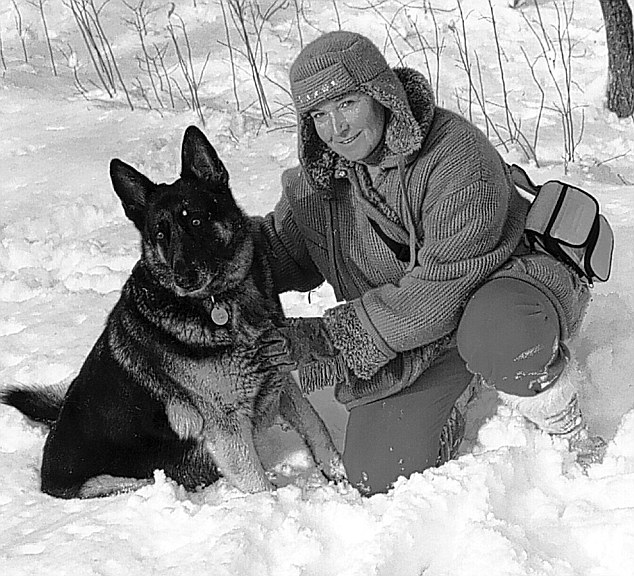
[514, 503]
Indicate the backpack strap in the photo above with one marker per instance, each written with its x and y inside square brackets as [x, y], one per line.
[522, 180]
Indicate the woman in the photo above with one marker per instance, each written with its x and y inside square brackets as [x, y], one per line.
[410, 214]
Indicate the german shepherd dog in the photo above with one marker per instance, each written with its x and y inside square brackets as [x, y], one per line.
[181, 378]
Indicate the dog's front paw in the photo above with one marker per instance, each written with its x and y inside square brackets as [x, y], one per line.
[274, 351]
[185, 420]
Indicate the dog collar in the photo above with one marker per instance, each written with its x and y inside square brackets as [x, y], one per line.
[219, 313]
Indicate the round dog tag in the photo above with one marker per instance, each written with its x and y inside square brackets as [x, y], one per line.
[219, 315]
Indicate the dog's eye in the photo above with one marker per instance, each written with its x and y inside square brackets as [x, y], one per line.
[161, 232]
[191, 218]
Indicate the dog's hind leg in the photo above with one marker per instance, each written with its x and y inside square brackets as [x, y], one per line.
[301, 415]
[105, 485]
[185, 420]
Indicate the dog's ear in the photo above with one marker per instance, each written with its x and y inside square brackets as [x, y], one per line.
[200, 160]
[132, 188]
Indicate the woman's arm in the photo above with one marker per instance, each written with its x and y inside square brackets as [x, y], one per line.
[291, 264]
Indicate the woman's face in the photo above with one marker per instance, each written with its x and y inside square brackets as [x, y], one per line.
[352, 126]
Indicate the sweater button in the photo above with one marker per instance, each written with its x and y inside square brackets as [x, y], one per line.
[341, 174]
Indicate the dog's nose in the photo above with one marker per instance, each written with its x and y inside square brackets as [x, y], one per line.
[185, 276]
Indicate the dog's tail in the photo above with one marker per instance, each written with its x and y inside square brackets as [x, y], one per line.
[39, 404]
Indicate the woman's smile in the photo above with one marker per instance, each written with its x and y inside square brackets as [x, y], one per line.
[349, 140]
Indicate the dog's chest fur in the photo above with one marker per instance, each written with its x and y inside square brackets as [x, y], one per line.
[214, 366]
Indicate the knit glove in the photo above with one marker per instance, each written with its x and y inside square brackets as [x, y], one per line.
[318, 362]
[335, 349]
[302, 344]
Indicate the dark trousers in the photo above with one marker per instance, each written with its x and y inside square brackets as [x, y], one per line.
[507, 334]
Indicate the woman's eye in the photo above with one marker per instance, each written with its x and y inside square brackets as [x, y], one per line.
[195, 222]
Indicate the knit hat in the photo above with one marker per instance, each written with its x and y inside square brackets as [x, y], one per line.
[338, 63]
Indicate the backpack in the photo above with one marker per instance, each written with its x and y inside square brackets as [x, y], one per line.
[565, 222]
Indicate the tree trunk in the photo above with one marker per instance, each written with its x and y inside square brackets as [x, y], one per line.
[620, 40]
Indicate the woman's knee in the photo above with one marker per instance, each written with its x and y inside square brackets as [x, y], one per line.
[509, 333]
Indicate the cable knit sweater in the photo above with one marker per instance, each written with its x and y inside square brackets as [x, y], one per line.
[465, 217]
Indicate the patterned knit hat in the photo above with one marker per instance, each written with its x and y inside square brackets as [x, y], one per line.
[338, 63]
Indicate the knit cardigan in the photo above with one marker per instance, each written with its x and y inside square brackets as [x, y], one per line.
[467, 220]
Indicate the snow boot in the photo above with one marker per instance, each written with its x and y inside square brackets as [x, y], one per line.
[556, 410]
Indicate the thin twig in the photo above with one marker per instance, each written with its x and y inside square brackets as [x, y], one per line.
[21, 30]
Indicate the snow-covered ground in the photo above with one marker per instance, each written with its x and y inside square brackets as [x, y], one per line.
[515, 502]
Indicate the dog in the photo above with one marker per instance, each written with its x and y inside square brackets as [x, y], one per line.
[187, 372]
